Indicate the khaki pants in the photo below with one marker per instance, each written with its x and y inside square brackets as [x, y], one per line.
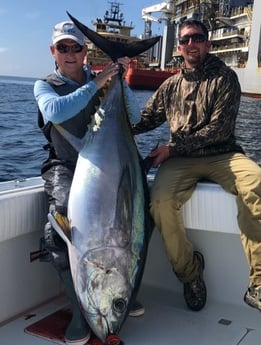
[174, 184]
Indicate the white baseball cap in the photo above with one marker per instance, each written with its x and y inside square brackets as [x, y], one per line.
[67, 30]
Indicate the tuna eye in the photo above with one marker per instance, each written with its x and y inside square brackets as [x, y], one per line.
[119, 305]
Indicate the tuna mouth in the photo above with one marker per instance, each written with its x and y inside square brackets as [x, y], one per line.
[106, 326]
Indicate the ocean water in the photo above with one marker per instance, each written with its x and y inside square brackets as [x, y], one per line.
[21, 141]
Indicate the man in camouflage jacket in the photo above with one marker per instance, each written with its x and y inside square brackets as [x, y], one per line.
[200, 105]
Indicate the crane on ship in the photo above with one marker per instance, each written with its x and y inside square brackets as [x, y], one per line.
[166, 10]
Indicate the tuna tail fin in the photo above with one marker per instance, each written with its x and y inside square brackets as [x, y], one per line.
[114, 49]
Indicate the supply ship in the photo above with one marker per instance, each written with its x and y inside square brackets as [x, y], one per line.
[114, 27]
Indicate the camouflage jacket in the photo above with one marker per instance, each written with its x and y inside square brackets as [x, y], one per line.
[200, 106]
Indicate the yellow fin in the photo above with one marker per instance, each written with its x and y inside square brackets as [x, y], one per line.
[63, 222]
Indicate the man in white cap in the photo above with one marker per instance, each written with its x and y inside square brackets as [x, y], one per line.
[68, 97]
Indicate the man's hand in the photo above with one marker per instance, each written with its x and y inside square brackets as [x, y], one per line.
[110, 70]
[160, 154]
[124, 62]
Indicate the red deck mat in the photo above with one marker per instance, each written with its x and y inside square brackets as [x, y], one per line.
[51, 327]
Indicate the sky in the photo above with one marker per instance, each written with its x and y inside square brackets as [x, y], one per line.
[26, 29]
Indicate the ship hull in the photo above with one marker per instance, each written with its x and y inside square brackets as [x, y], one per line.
[148, 79]
[250, 80]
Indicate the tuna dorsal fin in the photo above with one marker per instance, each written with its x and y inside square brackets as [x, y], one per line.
[115, 49]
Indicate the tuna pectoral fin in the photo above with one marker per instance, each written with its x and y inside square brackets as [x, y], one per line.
[61, 225]
[76, 143]
[115, 49]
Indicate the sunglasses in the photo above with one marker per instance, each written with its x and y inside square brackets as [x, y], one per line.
[198, 38]
[63, 49]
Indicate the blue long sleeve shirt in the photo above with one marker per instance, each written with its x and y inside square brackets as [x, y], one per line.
[57, 109]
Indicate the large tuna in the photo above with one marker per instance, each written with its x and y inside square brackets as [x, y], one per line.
[107, 233]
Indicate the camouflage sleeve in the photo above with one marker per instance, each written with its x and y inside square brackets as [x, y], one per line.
[225, 93]
[153, 115]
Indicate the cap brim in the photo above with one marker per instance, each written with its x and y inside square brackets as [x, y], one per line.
[70, 37]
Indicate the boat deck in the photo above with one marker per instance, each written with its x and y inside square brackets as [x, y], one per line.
[210, 218]
[166, 321]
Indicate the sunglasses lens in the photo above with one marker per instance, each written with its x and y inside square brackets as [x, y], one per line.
[63, 49]
[198, 38]
[77, 48]
[184, 40]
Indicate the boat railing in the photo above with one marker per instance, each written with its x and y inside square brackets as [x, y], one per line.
[30, 203]
[231, 33]
[242, 10]
[249, 12]
[235, 46]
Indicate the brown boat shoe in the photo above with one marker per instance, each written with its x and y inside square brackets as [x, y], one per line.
[253, 297]
[195, 292]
